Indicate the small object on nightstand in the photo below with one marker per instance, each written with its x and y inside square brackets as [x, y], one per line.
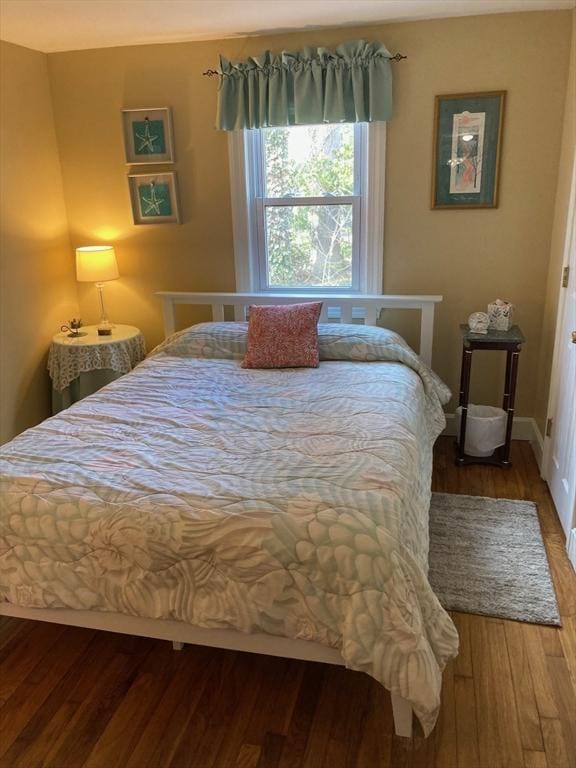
[73, 328]
[478, 322]
[501, 314]
[510, 342]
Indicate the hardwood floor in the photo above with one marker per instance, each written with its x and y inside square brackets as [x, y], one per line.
[71, 698]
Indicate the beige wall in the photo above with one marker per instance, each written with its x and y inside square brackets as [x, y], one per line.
[469, 256]
[567, 158]
[37, 286]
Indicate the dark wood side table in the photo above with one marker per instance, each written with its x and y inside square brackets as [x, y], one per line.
[506, 341]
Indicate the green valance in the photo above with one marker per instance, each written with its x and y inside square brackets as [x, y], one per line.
[352, 84]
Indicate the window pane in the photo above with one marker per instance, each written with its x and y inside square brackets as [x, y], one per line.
[309, 245]
[309, 160]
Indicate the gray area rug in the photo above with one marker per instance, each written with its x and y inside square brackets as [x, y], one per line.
[487, 556]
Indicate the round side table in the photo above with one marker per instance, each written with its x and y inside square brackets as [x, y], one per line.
[81, 365]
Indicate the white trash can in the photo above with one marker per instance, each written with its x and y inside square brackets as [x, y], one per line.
[485, 429]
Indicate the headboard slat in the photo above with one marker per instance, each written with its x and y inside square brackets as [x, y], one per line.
[346, 313]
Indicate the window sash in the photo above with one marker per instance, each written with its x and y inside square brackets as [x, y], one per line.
[259, 153]
[275, 202]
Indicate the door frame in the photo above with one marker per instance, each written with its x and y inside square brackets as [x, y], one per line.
[568, 259]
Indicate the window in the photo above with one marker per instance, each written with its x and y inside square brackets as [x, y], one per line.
[308, 208]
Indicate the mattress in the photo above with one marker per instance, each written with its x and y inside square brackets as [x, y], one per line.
[292, 502]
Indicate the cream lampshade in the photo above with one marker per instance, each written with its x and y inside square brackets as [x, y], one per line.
[97, 264]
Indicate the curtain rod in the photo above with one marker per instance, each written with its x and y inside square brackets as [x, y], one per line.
[214, 72]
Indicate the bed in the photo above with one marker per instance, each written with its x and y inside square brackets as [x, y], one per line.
[280, 511]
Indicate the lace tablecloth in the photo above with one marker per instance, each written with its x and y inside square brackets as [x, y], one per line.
[68, 358]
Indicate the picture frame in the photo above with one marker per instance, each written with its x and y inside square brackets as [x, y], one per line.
[154, 198]
[148, 136]
[467, 149]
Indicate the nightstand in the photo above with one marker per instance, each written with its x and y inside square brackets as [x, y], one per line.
[506, 341]
[81, 365]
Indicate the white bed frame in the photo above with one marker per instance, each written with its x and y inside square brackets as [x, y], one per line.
[343, 307]
[181, 633]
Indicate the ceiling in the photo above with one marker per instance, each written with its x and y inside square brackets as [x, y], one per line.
[65, 25]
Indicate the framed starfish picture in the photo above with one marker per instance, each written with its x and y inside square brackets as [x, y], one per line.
[154, 198]
[148, 136]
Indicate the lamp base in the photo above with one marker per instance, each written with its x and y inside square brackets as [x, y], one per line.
[105, 328]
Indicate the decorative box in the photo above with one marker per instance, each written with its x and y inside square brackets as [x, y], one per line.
[501, 314]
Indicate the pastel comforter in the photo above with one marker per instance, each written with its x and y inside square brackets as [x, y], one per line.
[293, 502]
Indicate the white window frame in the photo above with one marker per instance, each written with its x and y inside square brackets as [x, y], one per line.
[248, 203]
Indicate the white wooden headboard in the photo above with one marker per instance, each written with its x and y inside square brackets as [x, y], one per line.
[342, 307]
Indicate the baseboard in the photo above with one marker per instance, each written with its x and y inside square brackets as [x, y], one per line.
[524, 428]
[571, 547]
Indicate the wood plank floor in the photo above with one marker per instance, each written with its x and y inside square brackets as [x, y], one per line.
[71, 697]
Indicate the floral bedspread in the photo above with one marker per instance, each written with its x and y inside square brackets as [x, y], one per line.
[293, 502]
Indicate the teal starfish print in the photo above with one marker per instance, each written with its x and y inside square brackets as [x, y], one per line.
[153, 203]
[147, 140]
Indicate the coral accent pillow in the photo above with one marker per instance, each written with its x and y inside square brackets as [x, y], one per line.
[283, 336]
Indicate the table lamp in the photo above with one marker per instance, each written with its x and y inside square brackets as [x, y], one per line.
[97, 264]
